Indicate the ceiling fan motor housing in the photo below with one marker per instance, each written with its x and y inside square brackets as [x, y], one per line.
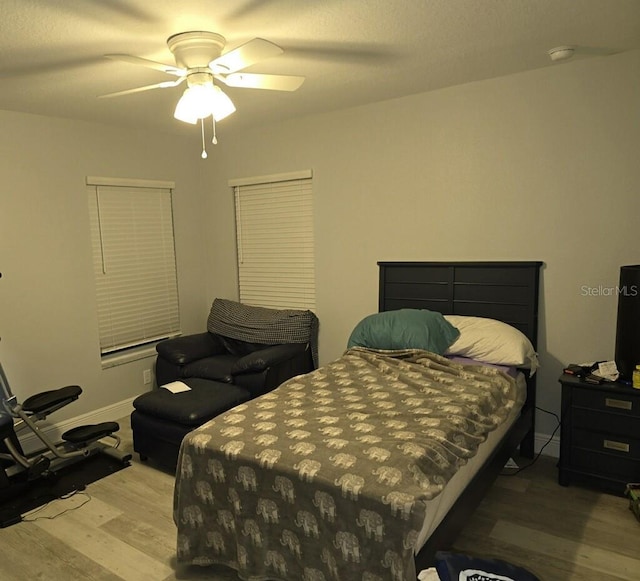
[199, 77]
[195, 49]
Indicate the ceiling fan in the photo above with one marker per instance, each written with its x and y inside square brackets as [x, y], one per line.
[199, 61]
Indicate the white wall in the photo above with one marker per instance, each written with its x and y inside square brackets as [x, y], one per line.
[535, 166]
[48, 325]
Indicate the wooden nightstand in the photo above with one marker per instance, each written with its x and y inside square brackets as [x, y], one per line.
[600, 434]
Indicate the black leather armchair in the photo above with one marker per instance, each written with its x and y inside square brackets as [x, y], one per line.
[257, 367]
[222, 368]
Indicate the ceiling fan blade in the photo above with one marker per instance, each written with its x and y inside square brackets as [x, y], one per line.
[257, 81]
[162, 85]
[136, 60]
[251, 52]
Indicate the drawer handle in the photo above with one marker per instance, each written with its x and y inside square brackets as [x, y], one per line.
[618, 446]
[618, 403]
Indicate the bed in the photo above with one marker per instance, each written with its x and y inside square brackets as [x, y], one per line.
[346, 473]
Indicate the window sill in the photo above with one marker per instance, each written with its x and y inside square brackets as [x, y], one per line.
[132, 355]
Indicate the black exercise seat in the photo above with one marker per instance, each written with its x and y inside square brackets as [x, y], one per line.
[51, 400]
[90, 433]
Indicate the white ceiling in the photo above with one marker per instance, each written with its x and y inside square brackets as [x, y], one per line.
[351, 52]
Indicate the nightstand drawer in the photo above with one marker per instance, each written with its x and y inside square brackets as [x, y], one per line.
[598, 421]
[626, 404]
[606, 465]
[615, 445]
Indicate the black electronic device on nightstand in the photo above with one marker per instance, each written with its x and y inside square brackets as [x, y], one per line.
[600, 434]
[628, 329]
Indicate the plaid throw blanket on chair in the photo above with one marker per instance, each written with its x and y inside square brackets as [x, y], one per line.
[262, 325]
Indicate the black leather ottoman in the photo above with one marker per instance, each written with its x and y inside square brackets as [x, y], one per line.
[161, 419]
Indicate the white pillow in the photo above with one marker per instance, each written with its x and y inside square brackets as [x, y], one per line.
[492, 341]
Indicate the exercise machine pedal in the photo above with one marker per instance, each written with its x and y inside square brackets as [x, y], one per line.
[38, 468]
[118, 455]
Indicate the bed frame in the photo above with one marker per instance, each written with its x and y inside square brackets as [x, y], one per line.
[506, 291]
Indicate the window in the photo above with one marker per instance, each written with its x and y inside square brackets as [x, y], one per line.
[134, 262]
[274, 229]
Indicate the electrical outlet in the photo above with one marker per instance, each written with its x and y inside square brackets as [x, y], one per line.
[146, 376]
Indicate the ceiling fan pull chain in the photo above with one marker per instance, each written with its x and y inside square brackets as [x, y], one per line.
[215, 139]
[204, 151]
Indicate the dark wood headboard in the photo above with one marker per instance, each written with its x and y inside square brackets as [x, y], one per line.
[506, 291]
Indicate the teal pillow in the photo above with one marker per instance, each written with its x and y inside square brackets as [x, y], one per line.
[404, 329]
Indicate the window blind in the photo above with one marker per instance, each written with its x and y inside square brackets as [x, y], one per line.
[275, 242]
[134, 263]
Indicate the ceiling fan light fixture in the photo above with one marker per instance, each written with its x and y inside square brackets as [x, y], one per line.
[184, 110]
[200, 101]
[221, 105]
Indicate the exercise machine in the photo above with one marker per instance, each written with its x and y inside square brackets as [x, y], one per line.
[76, 444]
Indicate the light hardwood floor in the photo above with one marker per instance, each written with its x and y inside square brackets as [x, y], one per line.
[125, 531]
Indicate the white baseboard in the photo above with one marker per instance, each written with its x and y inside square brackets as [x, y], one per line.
[30, 442]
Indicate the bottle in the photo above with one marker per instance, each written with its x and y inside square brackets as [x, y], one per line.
[636, 377]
